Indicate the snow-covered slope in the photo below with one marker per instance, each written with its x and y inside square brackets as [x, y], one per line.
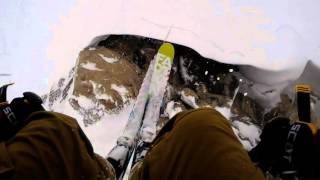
[101, 89]
[103, 134]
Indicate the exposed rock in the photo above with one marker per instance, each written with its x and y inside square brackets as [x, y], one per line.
[310, 76]
[109, 73]
[285, 108]
[246, 106]
[172, 108]
[189, 97]
[218, 77]
[108, 76]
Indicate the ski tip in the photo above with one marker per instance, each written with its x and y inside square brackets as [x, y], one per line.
[167, 49]
[304, 88]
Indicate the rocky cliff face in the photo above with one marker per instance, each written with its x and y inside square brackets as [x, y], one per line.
[109, 72]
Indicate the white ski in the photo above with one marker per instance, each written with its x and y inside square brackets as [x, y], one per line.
[146, 108]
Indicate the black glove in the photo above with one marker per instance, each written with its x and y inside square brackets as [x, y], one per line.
[270, 149]
[14, 116]
[288, 150]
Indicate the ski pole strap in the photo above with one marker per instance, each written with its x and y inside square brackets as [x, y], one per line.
[313, 128]
[303, 101]
[299, 133]
[288, 150]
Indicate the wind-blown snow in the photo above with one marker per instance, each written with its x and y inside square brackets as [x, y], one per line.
[108, 60]
[90, 66]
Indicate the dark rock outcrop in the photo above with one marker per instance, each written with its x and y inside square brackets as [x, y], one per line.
[109, 73]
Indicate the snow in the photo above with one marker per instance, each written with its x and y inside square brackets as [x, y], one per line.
[250, 32]
[224, 111]
[231, 70]
[206, 73]
[109, 60]
[245, 144]
[104, 133]
[188, 99]
[147, 133]
[100, 94]
[121, 90]
[85, 102]
[90, 66]
[258, 86]
[171, 111]
[247, 131]
[65, 108]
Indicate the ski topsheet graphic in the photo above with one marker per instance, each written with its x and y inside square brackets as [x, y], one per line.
[141, 125]
[162, 68]
[164, 61]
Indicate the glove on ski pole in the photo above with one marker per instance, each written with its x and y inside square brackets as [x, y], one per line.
[14, 116]
[288, 150]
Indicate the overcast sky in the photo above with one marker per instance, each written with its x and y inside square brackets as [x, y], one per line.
[40, 39]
